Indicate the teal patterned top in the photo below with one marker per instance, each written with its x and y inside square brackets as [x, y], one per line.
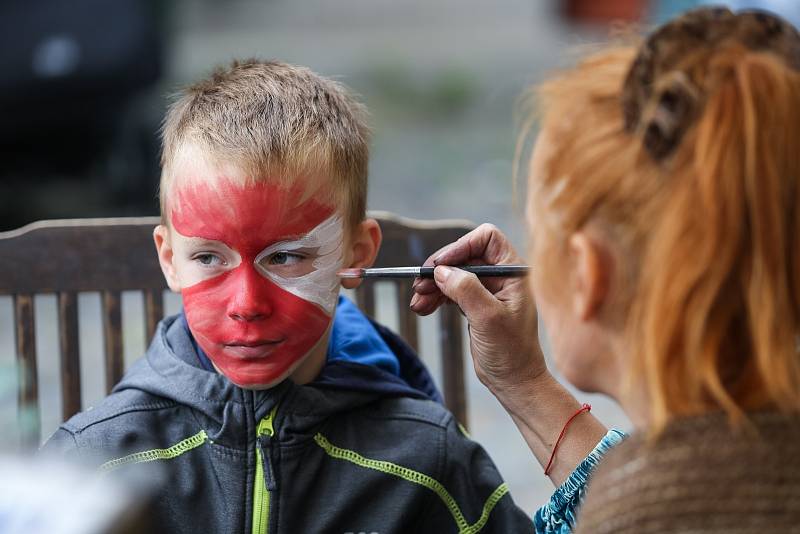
[558, 515]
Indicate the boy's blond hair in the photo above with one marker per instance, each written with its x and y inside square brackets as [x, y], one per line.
[275, 122]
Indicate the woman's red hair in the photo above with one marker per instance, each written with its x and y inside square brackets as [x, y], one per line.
[709, 238]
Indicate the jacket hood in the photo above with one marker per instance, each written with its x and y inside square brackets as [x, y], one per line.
[172, 369]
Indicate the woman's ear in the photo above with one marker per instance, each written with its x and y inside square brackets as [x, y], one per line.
[362, 249]
[590, 277]
[165, 256]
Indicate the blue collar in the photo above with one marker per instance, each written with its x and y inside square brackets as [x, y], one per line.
[355, 339]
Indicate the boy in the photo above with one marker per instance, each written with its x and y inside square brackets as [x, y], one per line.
[271, 405]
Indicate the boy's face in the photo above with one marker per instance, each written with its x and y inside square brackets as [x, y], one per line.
[256, 266]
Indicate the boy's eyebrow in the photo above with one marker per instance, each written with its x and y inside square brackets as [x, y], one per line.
[309, 239]
[293, 237]
[196, 240]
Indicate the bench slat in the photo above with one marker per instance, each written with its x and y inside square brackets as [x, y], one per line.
[453, 362]
[112, 332]
[70, 354]
[153, 311]
[28, 375]
[407, 318]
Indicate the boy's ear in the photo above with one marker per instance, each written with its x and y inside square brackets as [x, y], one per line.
[165, 256]
[365, 241]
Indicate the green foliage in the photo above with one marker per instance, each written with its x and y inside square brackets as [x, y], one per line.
[397, 89]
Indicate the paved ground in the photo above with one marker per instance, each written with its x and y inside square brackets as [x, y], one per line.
[441, 79]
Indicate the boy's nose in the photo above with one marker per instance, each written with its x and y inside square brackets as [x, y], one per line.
[251, 301]
[246, 315]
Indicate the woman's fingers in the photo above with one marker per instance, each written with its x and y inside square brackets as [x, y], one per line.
[461, 287]
[427, 304]
[466, 291]
[425, 286]
[486, 245]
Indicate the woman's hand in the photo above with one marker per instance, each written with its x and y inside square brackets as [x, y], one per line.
[500, 311]
[505, 346]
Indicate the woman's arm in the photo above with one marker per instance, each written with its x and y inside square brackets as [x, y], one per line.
[505, 348]
[540, 409]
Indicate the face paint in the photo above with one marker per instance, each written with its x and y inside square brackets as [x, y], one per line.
[320, 284]
[260, 310]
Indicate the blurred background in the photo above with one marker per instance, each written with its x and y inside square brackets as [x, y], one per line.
[85, 85]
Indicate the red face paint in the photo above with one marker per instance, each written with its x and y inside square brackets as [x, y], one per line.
[254, 331]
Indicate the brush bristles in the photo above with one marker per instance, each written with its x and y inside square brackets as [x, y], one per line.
[350, 273]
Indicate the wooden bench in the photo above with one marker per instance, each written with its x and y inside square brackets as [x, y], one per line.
[109, 256]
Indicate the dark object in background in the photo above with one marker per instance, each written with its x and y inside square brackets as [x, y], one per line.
[78, 136]
[604, 11]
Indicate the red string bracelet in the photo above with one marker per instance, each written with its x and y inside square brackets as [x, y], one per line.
[584, 408]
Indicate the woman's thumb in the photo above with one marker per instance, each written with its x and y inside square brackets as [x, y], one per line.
[465, 290]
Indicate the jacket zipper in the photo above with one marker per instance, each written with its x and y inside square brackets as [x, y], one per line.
[265, 475]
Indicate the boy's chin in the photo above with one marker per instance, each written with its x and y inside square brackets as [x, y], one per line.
[302, 371]
[258, 383]
[261, 383]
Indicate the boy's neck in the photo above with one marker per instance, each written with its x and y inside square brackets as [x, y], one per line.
[310, 367]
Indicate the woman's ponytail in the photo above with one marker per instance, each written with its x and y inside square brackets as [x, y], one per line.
[719, 308]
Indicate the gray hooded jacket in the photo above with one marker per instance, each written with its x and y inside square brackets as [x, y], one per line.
[356, 451]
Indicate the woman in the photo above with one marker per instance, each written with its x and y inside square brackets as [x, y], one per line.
[664, 216]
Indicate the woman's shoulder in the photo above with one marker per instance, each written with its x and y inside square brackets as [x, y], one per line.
[700, 475]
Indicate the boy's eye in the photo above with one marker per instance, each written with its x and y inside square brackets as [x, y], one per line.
[208, 259]
[285, 258]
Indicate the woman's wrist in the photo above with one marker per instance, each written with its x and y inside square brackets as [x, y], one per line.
[516, 390]
[540, 406]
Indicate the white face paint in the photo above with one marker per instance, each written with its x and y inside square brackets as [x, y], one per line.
[319, 284]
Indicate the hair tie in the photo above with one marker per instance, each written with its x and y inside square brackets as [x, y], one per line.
[660, 101]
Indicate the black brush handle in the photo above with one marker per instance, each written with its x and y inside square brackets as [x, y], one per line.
[483, 270]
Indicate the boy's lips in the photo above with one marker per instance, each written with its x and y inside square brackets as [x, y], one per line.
[252, 349]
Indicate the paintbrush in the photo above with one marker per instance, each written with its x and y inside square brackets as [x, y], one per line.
[427, 271]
